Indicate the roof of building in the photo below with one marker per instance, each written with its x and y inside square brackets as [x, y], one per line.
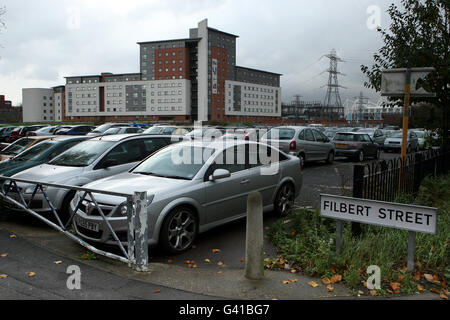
[239, 67]
[171, 40]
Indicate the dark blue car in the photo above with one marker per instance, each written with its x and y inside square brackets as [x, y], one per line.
[80, 130]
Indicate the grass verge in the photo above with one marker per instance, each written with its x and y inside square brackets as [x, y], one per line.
[306, 242]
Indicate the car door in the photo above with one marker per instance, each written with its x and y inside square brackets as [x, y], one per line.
[371, 146]
[323, 147]
[308, 144]
[226, 198]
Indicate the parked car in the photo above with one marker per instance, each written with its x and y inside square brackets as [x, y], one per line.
[79, 130]
[5, 132]
[38, 154]
[255, 134]
[422, 138]
[98, 131]
[357, 145]
[123, 130]
[176, 130]
[377, 135]
[394, 142]
[45, 131]
[205, 133]
[192, 197]
[88, 161]
[3, 145]
[24, 131]
[304, 142]
[20, 145]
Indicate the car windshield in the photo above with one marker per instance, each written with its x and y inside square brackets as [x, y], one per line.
[420, 134]
[153, 130]
[46, 130]
[82, 154]
[344, 137]
[17, 147]
[112, 130]
[102, 128]
[280, 134]
[35, 151]
[179, 162]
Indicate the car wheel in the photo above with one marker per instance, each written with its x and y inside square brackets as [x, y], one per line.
[360, 156]
[284, 200]
[179, 230]
[330, 157]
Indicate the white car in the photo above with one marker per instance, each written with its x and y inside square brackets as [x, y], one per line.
[88, 161]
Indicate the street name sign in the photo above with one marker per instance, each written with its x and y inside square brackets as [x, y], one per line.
[380, 213]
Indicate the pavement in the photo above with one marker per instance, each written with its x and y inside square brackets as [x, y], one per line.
[31, 247]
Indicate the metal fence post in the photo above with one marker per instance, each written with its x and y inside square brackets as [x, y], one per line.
[139, 227]
[418, 175]
[358, 185]
[254, 248]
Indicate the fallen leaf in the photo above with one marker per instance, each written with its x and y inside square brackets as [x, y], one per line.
[285, 282]
[445, 291]
[219, 272]
[169, 261]
[333, 270]
[242, 259]
[13, 236]
[266, 228]
[3, 276]
[401, 277]
[187, 262]
[194, 266]
[330, 288]
[360, 293]
[420, 288]
[436, 278]
[220, 263]
[429, 277]
[365, 284]
[194, 247]
[395, 286]
[443, 284]
[3, 255]
[373, 292]
[336, 278]
[293, 271]
[435, 291]
[443, 296]
[293, 280]
[416, 276]
[326, 281]
[215, 250]
[313, 284]
[157, 291]
[404, 269]
[207, 261]
[31, 274]
[57, 262]
[293, 233]
[390, 291]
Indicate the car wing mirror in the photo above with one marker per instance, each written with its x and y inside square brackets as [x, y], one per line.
[219, 174]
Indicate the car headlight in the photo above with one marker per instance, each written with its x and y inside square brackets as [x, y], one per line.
[123, 207]
[30, 190]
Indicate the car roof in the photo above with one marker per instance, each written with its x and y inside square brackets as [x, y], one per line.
[63, 138]
[124, 136]
[218, 144]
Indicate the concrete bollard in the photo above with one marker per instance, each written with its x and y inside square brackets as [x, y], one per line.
[254, 248]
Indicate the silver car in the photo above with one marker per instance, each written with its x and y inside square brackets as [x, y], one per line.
[394, 142]
[87, 161]
[304, 142]
[207, 189]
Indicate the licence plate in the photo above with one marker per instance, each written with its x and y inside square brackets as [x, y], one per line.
[92, 226]
[341, 145]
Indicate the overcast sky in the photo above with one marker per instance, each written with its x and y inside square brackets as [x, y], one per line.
[46, 40]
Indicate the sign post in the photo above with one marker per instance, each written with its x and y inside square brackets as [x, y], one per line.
[395, 215]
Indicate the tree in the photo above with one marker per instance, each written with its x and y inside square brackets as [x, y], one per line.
[418, 36]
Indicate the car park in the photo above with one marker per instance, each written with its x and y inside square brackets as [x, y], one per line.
[304, 142]
[38, 154]
[394, 142]
[190, 197]
[98, 131]
[20, 145]
[5, 132]
[206, 133]
[123, 130]
[377, 135]
[357, 145]
[88, 161]
[79, 130]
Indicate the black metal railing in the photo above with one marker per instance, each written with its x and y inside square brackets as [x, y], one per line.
[385, 180]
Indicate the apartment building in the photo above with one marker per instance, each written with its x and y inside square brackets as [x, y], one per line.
[188, 79]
